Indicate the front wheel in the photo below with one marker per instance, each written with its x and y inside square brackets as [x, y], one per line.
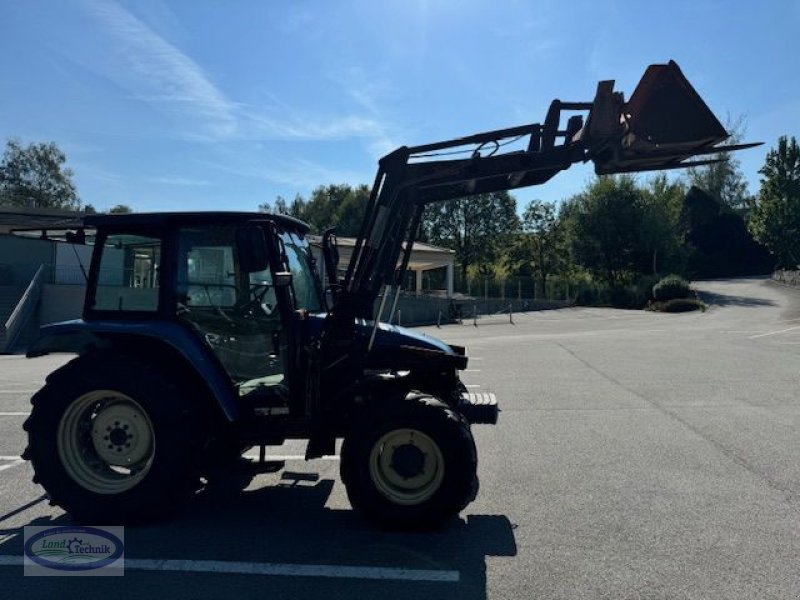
[410, 464]
[114, 441]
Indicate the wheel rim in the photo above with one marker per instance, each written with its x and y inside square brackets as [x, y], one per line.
[406, 466]
[106, 442]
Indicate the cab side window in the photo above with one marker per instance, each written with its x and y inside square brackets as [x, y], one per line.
[129, 274]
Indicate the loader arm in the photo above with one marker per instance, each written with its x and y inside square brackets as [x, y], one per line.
[663, 125]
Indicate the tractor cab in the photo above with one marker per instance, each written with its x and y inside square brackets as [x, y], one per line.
[239, 282]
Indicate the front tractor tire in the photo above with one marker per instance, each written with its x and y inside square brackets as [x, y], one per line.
[112, 441]
[409, 464]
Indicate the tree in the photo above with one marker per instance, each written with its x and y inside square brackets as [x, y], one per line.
[120, 209]
[660, 228]
[539, 249]
[34, 176]
[717, 240]
[604, 228]
[476, 227]
[724, 180]
[776, 219]
[341, 206]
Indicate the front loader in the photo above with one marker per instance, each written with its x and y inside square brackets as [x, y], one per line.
[207, 333]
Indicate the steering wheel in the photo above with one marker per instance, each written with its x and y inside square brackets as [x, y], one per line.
[255, 305]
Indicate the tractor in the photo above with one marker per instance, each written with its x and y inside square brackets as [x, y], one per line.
[204, 334]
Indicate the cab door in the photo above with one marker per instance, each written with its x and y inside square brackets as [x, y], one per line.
[236, 314]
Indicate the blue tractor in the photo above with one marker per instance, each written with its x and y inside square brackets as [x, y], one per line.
[207, 333]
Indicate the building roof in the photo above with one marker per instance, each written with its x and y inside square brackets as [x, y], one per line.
[348, 242]
[17, 217]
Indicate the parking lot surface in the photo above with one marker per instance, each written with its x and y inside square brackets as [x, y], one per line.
[638, 455]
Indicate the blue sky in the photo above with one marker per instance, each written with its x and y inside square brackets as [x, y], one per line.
[211, 104]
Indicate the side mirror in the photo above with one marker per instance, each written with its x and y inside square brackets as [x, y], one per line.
[330, 252]
[251, 247]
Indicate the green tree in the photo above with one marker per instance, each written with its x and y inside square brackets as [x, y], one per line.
[478, 228]
[34, 176]
[120, 209]
[660, 229]
[724, 180]
[776, 219]
[539, 249]
[341, 206]
[717, 241]
[604, 225]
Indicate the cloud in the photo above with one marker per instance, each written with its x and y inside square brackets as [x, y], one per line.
[297, 127]
[180, 181]
[157, 72]
[299, 173]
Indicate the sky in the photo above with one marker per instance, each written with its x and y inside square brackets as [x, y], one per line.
[225, 104]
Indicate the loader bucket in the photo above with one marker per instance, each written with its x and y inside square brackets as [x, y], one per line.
[664, 123]
[665, 109]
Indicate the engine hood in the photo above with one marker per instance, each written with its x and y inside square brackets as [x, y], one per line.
[395, 345]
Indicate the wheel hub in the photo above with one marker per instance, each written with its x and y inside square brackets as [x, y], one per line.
[120, 434]
[406, 466]
[408, 460]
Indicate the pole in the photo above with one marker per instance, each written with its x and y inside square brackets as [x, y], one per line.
[386, 292]
[510, 314]
[439, 320]
[475, 315]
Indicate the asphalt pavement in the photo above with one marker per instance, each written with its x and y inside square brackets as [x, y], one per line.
[638, 455]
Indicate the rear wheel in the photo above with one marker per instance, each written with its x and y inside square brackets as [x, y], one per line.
[114, 441]
[410, 464]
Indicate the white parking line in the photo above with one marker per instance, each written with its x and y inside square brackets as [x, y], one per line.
[760, 335]
[475, 385]
[290, 457]
[282, 569]
[472, 370]
[17, 457]
[14, 414]
[19, 461]
[18, 391]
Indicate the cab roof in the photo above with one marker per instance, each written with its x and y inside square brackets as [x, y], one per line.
[178, 219]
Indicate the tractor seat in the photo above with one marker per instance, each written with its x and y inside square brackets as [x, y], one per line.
[268, 395]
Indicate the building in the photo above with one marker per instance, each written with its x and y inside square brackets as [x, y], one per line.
[425, 259]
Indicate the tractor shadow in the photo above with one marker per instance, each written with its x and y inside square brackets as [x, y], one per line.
[287, 521]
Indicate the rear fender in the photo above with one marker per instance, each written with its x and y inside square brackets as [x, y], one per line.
[163, 338]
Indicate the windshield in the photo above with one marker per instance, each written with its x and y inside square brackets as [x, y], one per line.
[301, 265]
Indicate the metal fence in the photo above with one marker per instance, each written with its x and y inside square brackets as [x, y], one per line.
[516, 288]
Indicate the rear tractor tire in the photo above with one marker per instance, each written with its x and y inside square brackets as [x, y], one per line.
[410, 464]
[114, 441]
